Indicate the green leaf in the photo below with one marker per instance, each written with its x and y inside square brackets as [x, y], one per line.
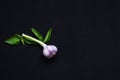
[28, 41]
[21, 39]
[18, 35]
[48, 35]
[37, 34]
[13, 40]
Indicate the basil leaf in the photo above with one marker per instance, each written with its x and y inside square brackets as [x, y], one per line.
[37, 34]
[48, 35]
[13, 40]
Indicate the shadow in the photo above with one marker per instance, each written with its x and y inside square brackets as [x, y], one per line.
[48, 61]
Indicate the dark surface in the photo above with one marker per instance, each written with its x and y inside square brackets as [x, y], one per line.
[86, 33]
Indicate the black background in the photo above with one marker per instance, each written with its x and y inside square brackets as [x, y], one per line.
[86, 33]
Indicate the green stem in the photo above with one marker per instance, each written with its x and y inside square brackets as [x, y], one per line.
[34, 39]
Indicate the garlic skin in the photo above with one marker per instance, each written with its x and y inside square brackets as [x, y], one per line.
[49, 51]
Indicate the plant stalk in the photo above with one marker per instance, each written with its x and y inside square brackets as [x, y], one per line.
[34, 39]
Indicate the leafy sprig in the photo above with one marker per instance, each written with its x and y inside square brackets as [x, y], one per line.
[17, 39]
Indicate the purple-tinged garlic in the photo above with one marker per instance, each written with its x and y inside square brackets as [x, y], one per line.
[49, 51]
